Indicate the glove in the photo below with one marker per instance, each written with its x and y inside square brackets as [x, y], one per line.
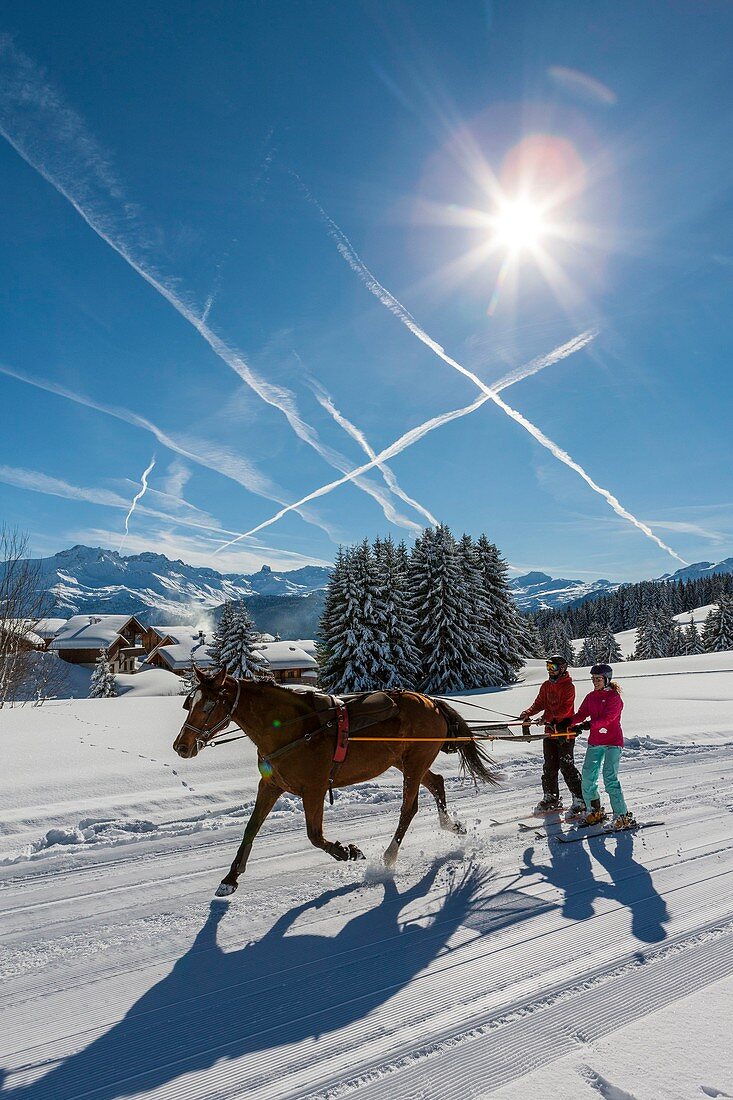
[524, 716]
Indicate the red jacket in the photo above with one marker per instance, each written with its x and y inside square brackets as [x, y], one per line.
[556, 698]
[604, 710]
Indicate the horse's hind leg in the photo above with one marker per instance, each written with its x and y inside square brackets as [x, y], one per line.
[435, 783]
[410, 790]
[267, 795]
[313, 806]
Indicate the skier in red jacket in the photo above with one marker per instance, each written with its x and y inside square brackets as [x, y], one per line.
[556, 698]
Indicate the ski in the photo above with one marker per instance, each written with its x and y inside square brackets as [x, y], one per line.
[567, 838]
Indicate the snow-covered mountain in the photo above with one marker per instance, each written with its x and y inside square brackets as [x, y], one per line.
[84, 579]
[535, 591]
[699, 570]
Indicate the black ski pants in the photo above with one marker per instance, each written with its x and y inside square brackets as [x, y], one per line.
[558, 754]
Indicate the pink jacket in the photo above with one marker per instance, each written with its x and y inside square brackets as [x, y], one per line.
[604, 710]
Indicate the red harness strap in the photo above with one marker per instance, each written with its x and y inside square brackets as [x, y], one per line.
[342, 736]
[342, 742]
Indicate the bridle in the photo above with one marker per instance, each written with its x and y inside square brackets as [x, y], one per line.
[206, 733]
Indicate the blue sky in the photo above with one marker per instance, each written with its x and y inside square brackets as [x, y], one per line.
[206, 209]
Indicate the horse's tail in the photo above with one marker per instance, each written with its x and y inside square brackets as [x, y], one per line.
[474, 761]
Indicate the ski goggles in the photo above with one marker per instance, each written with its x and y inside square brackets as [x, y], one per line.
[552, 666]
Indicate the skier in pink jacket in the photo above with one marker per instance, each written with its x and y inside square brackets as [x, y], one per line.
[603, 707]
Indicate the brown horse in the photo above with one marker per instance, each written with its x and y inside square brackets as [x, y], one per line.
[295, 747]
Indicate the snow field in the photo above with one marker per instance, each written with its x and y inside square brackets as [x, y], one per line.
[497, 964]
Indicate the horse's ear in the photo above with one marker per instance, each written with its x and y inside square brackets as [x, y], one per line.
[218, 678]
[200, 675]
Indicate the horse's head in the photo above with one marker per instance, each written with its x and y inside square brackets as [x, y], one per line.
[210, 705]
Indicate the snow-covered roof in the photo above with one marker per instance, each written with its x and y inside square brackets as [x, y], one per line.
[179, 632]
[47, 628]
[308, 644]
[180, 654]
[90, 632]
[283, 655]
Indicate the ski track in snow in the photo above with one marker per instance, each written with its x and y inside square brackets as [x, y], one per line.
[482, 961]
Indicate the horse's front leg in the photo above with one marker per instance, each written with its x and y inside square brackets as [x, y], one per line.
[435, 783]
[267, 795]
[313, 806]
[410, 789]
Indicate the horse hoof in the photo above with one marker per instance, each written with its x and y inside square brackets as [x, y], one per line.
[355, 853]
[225, 890]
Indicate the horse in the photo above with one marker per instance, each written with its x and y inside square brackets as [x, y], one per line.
[295, 745]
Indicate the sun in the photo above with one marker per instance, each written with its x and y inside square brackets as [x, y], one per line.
[518, 225]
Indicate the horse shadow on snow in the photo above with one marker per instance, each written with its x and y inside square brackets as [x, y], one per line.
[217, 1005]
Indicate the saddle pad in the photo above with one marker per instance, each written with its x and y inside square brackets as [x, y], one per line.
[368, 709]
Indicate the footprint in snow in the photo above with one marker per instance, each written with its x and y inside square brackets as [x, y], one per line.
[710, 1090]
[604, 1087]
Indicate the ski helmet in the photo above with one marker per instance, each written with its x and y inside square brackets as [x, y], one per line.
[558, 660]
[602, 670]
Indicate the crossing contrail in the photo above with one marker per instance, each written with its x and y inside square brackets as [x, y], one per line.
[352, 258]
[138, 496]
[415, 434]
[50, 136]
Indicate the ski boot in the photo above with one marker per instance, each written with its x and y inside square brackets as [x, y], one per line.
[595, 815]
[576, 811]
[550, 804]
[624, 821]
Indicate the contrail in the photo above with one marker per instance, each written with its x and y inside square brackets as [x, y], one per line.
[215, 458]
[424, 429]
[47, 118]
[352, 258]
[138, 496]
[326, 401]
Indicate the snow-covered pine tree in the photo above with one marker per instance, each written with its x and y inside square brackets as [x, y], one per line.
[394, 618]
[609, 651]
[220, 632]
[506, 650]
[483, 669]
[102, 684]
[590, 650]
[240, 653]
[653, 635]
[676, 641]
[187, 681]
[353, 654]
[442, 634]
[530, 638]
[693, 641]
[329, 649]
[718, 630]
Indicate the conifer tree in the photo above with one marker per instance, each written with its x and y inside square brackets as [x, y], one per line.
[677, 641]
[483, 669]
[353, 654]
[240, 653]
[395, 619]
[220, 633]
[441, 635]
[609, 651]
[718, 630]
[102, 684]
[506, 651]
[693, 641]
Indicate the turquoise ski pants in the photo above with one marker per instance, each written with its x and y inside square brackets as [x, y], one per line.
[608, 758]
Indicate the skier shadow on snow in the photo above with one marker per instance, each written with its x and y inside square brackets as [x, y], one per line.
[218, 1005]
[571, 871]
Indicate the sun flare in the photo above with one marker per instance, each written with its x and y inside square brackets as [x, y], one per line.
[518, 225]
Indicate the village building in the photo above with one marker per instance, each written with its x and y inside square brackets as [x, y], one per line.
[83, 637]
[289, 662]
[47, 629]
[179, 647]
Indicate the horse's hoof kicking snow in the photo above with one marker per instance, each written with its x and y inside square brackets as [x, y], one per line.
[355, 853]
[224, 891]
